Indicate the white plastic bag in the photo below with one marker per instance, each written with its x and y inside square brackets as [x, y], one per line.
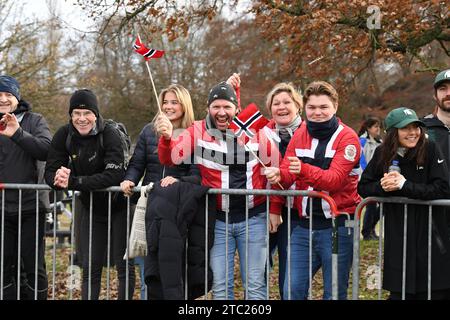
[138, 241]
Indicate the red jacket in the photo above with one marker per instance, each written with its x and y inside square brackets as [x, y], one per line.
[277, 203]
[217, 161]
[340, 180]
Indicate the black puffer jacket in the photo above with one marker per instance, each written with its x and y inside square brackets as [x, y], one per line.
[173, 214]
[145, 159]
[19, 155]
[426, 182]
[92, 167]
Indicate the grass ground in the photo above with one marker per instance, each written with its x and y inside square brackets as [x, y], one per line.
[367, 283]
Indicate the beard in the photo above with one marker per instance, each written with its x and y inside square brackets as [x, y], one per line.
[441, 104]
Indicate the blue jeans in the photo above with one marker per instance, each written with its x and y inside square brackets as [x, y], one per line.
[278, 241]
[257, 255]
[321, 257]
[139, 261]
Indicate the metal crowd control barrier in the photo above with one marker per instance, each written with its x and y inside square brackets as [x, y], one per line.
[227, 192]
[356, 244]
[287, 193]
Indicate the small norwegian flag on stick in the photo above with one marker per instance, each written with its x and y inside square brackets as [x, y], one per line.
[148, 54]
[248, 122]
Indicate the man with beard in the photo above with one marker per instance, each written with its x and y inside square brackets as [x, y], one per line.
[438, 123]
[24, 139]
[225, 163]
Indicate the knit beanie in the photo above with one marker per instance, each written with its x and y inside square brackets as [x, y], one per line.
[84, 99]
[222, 91]
[9, 84]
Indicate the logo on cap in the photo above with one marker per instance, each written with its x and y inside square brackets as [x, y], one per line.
[408, 112]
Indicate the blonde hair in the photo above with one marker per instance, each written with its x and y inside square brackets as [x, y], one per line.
[290, 90]
[318, 88]
[184, 98]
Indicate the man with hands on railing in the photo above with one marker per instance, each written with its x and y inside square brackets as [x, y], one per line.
[86, 155]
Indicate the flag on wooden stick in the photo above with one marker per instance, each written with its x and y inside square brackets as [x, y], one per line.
[147, 53]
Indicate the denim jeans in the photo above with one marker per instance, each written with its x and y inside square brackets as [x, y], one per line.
[321, 257]
[257, 255]
[278, 242]
[139, 261]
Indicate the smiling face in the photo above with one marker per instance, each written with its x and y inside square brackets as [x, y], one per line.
[319, 108]
[8, 102]
[283, 109]
[83, 120]
[173, 109]
[409, 135]
[222, 112]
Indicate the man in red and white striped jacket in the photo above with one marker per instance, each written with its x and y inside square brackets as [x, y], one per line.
[226, 164]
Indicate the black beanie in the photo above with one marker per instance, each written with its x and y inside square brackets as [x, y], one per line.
[84, 99]
[224, 91]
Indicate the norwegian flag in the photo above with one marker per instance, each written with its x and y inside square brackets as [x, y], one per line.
[248, 122]
[146, 52]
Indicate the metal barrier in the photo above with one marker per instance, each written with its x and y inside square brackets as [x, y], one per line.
[228, 192]
[356, 243]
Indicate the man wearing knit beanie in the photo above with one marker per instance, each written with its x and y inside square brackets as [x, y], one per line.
[24, 143]
[225, 164]
[222, 105]
[9, 94]
[86, 155]
[83, 109]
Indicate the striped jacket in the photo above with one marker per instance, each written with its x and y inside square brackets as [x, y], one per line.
[222, 161]
[339, 180]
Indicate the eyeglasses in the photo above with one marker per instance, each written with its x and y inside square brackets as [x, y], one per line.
[86, 114]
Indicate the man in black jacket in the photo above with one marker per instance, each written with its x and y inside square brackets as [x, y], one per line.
[438, 123]
[24, 139]
[87, 155]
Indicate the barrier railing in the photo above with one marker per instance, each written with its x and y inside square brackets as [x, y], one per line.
[356, 243]
[228, 192]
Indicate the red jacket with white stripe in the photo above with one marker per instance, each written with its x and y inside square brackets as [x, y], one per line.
[223, 163]
[277, 202]
[340, 180]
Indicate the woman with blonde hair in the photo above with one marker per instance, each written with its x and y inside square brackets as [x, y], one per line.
[176, 105]
[285, 106]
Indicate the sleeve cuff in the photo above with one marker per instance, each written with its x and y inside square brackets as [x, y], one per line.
[401, 183]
